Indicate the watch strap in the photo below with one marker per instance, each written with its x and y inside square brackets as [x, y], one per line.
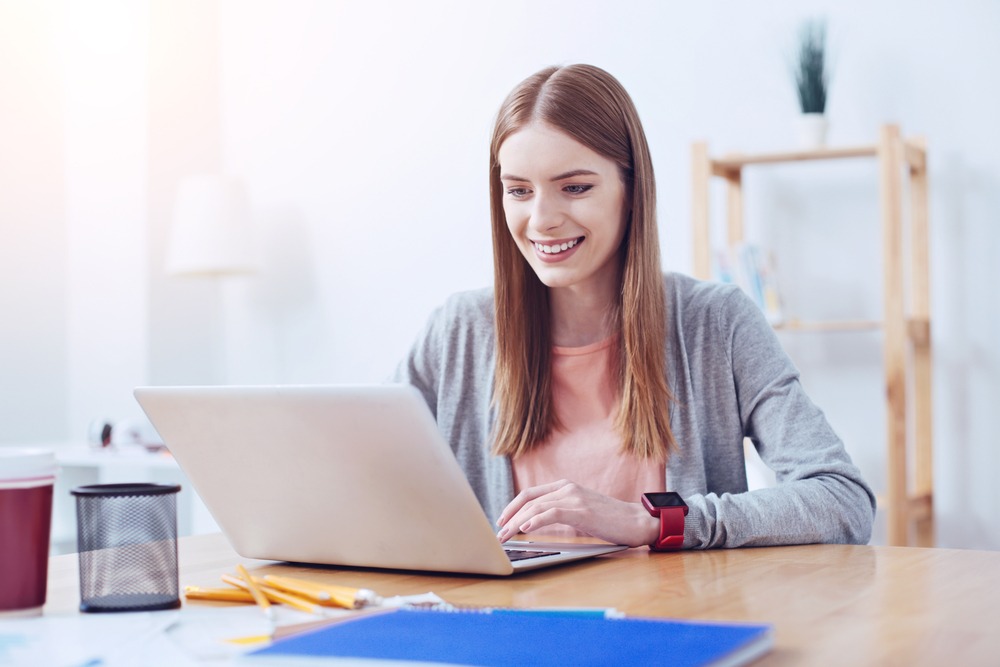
[671, 536]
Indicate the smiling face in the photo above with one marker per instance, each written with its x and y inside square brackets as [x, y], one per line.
[565, 208]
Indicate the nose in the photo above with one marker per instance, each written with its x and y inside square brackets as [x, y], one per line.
[547, 213]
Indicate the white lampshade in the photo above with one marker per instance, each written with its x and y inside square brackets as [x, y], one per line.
[211, 232]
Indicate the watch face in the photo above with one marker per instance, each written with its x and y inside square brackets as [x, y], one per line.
[666, 499]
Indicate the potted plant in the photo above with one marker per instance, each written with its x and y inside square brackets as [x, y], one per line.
[812, 83]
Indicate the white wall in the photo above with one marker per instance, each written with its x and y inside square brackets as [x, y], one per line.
[361, 130]
[106, 98]
[33, 254]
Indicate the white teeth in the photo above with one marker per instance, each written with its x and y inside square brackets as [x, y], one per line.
[555, 249]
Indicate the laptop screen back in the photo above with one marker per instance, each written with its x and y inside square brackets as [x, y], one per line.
[349, 475]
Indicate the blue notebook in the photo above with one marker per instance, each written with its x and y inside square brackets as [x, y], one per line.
[468, 638]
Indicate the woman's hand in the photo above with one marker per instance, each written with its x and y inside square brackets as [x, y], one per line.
[587, 511]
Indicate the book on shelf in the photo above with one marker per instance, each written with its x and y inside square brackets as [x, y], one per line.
[751, 268]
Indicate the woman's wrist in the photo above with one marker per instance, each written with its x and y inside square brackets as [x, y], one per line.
[648, 530]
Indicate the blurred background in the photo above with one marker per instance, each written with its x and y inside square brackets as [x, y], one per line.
[358, 132]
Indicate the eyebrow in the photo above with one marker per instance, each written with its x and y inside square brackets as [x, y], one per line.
[561, 177]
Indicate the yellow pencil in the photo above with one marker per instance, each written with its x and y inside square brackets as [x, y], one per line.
[292, 600]
[311, 590]
[219, 594]
[274, 595]
[324, 594]
[257, 594]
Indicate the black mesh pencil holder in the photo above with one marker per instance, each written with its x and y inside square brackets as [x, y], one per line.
[127, 539]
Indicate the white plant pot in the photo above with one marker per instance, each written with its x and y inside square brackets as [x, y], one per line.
[811, 131]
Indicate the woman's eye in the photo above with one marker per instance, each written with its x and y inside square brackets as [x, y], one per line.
[577, 189]
[517, 193]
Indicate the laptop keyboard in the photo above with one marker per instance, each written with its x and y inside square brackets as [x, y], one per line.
[523, 554]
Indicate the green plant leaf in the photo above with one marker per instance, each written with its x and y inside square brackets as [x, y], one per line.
[810, 71]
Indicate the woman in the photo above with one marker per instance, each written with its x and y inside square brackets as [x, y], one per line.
[587, 377]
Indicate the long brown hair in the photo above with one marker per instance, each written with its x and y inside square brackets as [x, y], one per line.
[591, 106]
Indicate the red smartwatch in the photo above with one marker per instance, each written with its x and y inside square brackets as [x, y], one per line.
[671, 509]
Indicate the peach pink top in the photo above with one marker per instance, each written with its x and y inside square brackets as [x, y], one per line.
[586, 449]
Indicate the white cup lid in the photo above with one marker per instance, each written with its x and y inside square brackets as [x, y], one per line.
[26, 463]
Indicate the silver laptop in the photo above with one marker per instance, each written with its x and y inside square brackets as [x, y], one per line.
[336, 475]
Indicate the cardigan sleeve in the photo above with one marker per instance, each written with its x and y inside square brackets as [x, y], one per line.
[820, 495]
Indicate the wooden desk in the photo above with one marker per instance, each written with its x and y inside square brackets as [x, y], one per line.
[829, 605]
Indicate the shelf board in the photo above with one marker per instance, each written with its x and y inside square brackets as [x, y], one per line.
[834, 325]
[918, 328]
[736, 161]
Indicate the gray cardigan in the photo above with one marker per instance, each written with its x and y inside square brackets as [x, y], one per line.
[731, 379]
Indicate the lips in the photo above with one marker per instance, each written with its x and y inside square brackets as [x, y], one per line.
[556, 250]
[556, 247]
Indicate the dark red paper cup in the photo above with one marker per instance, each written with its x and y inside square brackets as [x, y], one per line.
[26, 479]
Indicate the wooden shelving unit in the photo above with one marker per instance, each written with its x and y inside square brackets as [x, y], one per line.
[908, 502]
